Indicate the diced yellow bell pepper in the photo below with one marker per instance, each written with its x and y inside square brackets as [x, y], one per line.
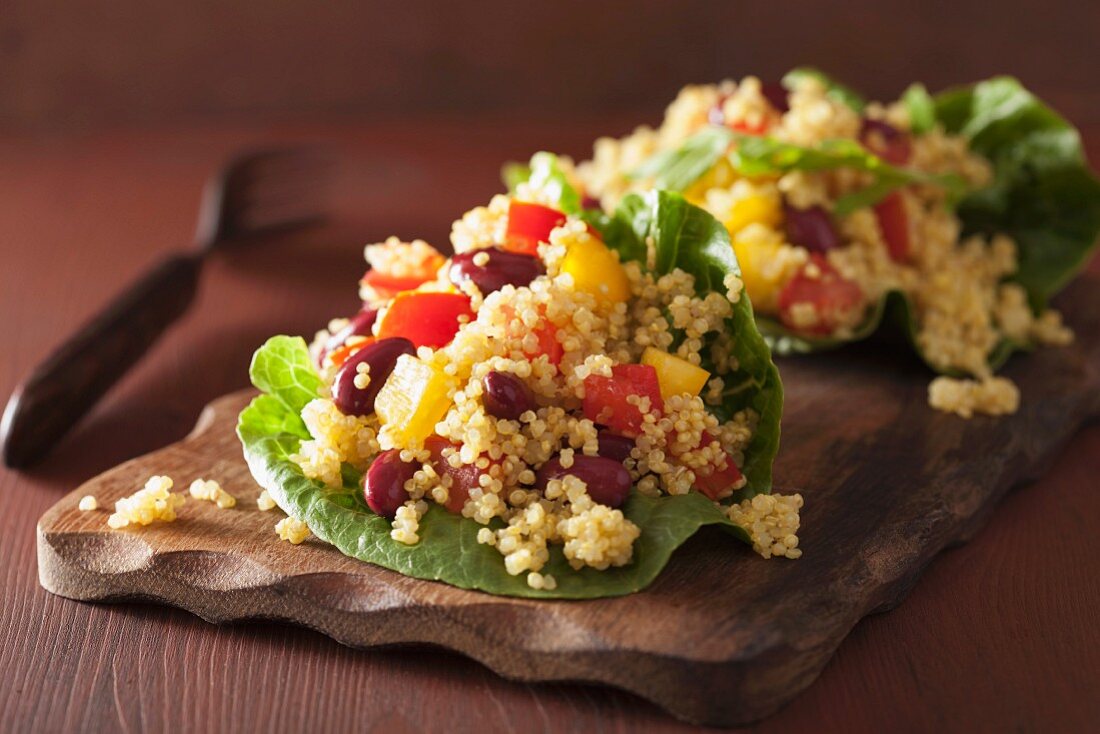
[754, 209]
[758, 252]
[675, 376]
[595, 269]
[721, 175]
[415, 397]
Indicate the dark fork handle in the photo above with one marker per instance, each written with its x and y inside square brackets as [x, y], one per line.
[68, 383]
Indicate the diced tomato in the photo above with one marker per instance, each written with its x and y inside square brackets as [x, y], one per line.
[388, 286]
[548, 344]
[716, 484]
[545, 333]
[833, 297]
[426, 319]
[893, 220]
[528, 225]
[340, 355]
[463, 478]
[605, 398]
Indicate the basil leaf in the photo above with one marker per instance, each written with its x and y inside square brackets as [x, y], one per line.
[756, 156]
[545, 174]
[270, 430]
[679, 168]
[833, 89]
[921, 107]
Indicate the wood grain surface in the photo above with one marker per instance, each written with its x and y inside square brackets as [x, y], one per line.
[998, 634]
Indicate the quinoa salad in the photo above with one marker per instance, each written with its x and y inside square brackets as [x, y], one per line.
[548, 412]
[955, 217]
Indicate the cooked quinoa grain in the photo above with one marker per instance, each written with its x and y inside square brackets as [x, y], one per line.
[264, 502]
[293, 531]
[211, 491]
[88, 503]
[155, 501]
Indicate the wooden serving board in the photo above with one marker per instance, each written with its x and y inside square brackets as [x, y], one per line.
[722, 636]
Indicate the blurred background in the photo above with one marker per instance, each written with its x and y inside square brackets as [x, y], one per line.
[89, 63]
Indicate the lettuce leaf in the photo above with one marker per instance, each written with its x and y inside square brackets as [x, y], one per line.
[270, 430]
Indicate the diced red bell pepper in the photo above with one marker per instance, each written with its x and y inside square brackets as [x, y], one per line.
[426, 319]
[388, 286]
[833, 296]
[716, 483]
[464, 477]
[605, 398]
[338, 356]
[893, 220]
[528, 225]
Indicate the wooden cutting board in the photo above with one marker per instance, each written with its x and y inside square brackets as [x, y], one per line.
[722, 636]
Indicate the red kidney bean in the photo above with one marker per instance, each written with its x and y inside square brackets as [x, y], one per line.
[505, 395]
[777, 96]
[614, 446]
[503, 268]
[384, 483]
[381, 356]
[811, 228]
[608, 480]
[358, 325]
[886, 141]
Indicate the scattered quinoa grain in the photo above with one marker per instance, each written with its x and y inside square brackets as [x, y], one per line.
[155, 501]
[291, 530]
[87, 503]
[264, 502]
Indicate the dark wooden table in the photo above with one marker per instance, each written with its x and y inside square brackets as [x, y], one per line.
[999, 634]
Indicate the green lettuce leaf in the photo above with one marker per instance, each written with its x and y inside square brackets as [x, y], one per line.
[545, 174]
[270, 430]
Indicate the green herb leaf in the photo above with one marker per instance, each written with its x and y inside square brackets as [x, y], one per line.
[833, 89]
[921, 107]
[270, 430]
[545, 174]
[677, 169]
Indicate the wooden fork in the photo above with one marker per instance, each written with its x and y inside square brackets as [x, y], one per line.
[256, 194]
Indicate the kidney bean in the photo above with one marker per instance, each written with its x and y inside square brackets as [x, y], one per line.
[384, 483]
[358, 325]
[505, 395]
[608, 480]
[886, 141]
[777, 96]
[503, 268]
[614, 446]
[381, 356]
[811, 228]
